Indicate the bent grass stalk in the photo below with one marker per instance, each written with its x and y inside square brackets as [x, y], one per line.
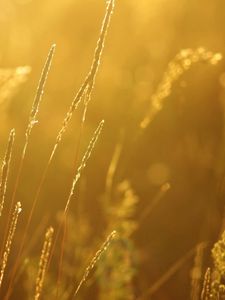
[43, 262]
[182, 62]
[5, 169]
[94, 260]
[9, 240]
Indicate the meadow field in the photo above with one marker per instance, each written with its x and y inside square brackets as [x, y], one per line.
[112, 150]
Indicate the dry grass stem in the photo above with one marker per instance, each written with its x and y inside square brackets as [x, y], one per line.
[43, 262]
[5, 169]
[84, 160]
[95, 259]
[9, 239]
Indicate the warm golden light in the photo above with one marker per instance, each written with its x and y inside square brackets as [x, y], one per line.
[112, 133]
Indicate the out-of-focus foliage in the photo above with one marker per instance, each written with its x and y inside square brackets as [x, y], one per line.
[182, 146]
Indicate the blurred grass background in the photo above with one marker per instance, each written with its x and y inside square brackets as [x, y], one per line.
[184, 145]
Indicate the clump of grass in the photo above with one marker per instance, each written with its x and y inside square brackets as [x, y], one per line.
[84, 93]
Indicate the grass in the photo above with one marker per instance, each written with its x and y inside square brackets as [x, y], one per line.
[66, 262]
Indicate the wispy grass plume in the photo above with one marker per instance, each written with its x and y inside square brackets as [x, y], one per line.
[95, 259]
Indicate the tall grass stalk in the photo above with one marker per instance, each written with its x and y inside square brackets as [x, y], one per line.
[10, 235]
[5, 169]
